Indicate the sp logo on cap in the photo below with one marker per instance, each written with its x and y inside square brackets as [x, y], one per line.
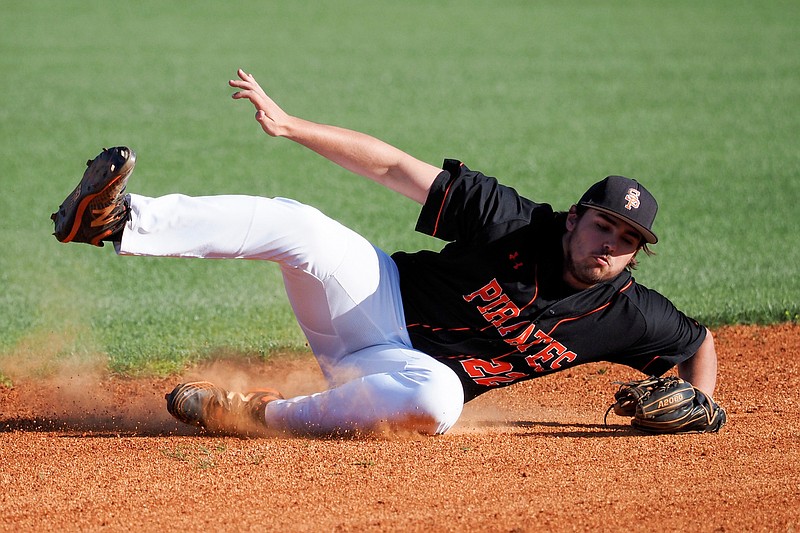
[627, 199]
[632, 199]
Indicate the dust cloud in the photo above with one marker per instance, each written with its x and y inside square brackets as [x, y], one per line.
[79, 394]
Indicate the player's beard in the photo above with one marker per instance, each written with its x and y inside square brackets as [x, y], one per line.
[584, 266]
[582, 272]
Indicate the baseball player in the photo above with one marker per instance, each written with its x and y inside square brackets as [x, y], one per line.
[404, 340]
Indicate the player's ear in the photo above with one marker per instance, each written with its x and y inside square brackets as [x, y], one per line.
[572, 218]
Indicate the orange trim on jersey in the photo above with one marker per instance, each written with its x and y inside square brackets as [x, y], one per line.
[653, 360]
[550, 333]
[441, 208]
[535, 287]
[627, 285]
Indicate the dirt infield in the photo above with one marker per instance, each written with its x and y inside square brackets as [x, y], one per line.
[88, 452]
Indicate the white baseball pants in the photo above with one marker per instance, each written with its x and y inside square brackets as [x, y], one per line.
[345, 294]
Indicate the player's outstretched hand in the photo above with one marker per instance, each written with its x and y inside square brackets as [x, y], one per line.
[272, 118]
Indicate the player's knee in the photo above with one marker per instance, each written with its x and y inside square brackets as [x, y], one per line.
[306, 238]
[302, 221]
[437, 404]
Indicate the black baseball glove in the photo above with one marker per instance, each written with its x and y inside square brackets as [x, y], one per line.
[667, 405]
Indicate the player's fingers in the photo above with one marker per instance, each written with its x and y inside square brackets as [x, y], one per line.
[241, 83]
[244, 80]
[247, 85]
[253, 96]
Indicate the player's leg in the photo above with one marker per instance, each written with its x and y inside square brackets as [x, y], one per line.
[392, 388]
[355, 324]
[346, 297]
[227, 226]
[344, 291]
[402, 390]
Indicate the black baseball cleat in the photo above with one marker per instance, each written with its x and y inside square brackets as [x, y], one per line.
[203, 404]
[97, 208]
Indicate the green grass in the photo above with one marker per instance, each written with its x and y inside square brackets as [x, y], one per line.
[698, 100]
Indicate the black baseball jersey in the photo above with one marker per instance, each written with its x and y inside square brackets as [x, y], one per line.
[492, 304]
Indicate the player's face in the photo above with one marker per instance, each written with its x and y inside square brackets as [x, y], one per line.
[597, 247]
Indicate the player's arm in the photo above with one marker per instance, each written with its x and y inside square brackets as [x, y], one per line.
[357, 152]
[701, 369]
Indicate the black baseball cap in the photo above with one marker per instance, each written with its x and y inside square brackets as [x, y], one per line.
[627, 199]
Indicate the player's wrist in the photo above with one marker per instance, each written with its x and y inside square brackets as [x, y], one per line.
[292, 128]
